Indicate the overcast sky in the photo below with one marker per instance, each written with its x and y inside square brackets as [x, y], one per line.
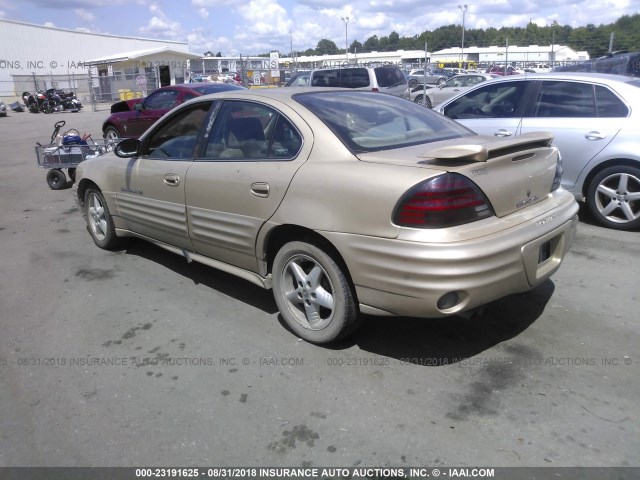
[257, 26]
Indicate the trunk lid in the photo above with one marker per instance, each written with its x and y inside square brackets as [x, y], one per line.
[512, 172]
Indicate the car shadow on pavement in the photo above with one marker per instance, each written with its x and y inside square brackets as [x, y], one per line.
[213, 278]
[442, 341]
[414, 340]
[585, 215]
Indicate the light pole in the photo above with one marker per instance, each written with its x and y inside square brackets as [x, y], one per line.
[346, 36]
[463, 9]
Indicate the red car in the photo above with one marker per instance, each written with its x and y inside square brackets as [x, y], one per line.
[500, 71]
[131, 118]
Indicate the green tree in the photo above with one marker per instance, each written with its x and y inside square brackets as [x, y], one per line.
[355, 47]
[371, 44]
[326, 47]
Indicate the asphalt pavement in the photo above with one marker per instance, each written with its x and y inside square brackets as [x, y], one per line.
[137, 358]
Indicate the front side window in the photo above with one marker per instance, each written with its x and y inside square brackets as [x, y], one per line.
[497, 100]
[162, 99]
[248, 131]
[177, 137]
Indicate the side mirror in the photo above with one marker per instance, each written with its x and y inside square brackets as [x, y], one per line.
[138, 107]
[127, 148]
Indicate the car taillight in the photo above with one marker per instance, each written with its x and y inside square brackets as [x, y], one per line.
[445, 201]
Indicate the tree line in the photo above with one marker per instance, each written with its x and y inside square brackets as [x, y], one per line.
[593, 39]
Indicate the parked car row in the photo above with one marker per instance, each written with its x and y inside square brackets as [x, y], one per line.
[591, 117]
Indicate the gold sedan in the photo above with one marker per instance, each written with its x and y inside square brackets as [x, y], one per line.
[343, 202]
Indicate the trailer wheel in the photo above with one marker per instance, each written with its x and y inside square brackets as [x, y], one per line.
[56, 179]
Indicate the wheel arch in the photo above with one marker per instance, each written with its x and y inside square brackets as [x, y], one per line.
[83, 185]
[614, 162]
[283, 234]
[108, 124]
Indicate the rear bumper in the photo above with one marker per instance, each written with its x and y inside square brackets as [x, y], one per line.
[408, 278]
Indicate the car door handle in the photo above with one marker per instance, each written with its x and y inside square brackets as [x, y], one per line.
[260, 189]
[172, 179]
[503, 133]
[595, 136]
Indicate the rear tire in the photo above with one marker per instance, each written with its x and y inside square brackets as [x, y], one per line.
[313, 294]
[614, 197]
[56, 179]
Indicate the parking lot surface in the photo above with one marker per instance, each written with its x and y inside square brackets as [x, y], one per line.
[135, 357]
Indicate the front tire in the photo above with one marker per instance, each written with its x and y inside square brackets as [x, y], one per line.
[111, 133]
[313, 293]
[99, 220]
[614, 197]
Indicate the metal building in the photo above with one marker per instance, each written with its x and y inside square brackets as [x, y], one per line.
[38, 57]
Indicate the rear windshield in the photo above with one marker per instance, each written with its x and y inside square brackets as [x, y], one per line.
[390, 77]
[369, 121]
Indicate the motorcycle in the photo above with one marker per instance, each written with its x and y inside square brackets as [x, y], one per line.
[61, 100]
[37, 102]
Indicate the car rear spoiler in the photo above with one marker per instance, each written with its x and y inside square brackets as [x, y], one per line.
[485, 151]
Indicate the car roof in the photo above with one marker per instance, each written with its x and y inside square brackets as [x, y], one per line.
[281, 94]
[211, 87]
[581, 76]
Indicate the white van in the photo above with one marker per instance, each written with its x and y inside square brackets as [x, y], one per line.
[386, 79]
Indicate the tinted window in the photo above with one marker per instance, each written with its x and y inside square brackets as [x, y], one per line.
[353, 78]
[608, 104]
[251, 131]
[161, 99]
[178, 136]
[565, 99]
[389, 77]
[341, 77]
[367, 122]
[497, 100]
[325, 78]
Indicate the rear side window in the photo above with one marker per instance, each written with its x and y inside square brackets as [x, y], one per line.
[354, 78]
[565, 99]
[496, 100]
[608, 104]
[389, 77]
[562, 99]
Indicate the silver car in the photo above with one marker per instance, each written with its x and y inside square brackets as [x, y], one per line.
[341, 201]
[595, 119]
[455, 85]
[434, 76]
